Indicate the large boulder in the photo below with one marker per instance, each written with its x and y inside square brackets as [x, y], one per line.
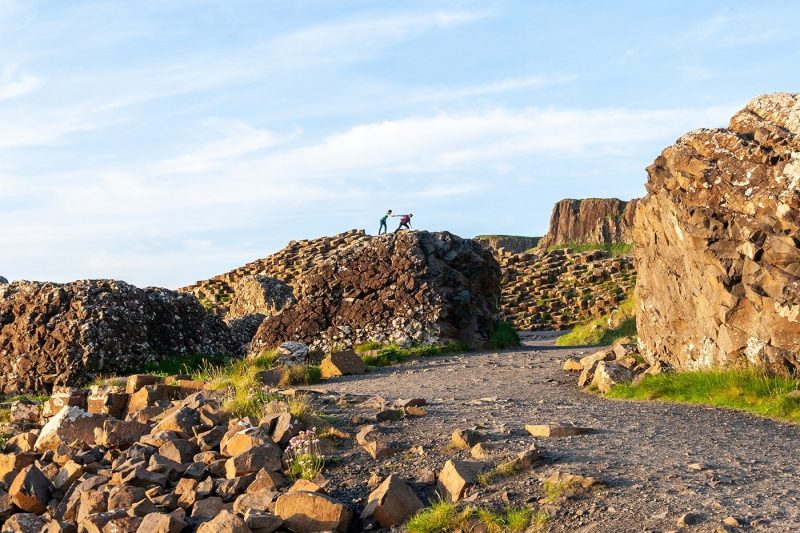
[591, 220]
[410, 287]
[259, 294]
[57, 334]
[717, 244]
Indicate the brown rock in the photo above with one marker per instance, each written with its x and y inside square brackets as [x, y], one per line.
[286, 427]
[136, 381]
[573, 365]
[592, 220]
[224, 522]
[161, 523]
[64, 397]
[557, 431]
[22, 442]
[72, 426]
[24, 523]
[67, 475]
[182, 421]
[262, 522]
[107, 400]
[256, 458]
[25, 411]
[120, 433]
[179, 450]
[464, 439]
[342, 364]
[12, 463]
[148, 396]
[392, 503]
[243, 440]
[31, 490]
[259, 501]
[715, 248]
[608, 374]
[123, 524]
[308, 512]
[266, 480]
[209, 507]
[456, 477]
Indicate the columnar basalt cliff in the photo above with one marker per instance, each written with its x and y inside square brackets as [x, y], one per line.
[57, 334]
[717, 247]
[412, 287]
[561, 288]
[591, 220]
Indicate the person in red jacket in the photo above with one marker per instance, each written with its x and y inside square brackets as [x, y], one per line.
[405, 222]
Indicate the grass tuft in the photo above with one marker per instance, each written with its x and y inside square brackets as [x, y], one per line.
[598, 331]
[506, 469]
[615, 249]
[512, 519]
[391, 354]
[183, 364]
[504, 336]
[746, 390]
[555, 490]
[441, 517]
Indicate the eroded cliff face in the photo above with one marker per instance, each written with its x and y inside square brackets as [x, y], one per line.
[509, 243]
[716, 244]
[591, 220]
[410, 287]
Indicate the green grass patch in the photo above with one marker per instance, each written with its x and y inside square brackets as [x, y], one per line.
[392, 354]
[745, 390]
[504, 336]
[502, 470]
[598, 331]
[441, 517]
[615, 249]
[512, 519]
[184, 364]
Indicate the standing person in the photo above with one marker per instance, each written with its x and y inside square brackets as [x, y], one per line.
[383, 222]
[405, 222]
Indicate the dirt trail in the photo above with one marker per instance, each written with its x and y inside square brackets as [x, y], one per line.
[642, 450]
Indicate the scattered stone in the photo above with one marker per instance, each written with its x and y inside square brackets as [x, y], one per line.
[309, 512]
[392, 503]
[464, 439]
[342, 364]
[608, 374]
[557, 431]
[573, 365]
[31, 490]
[72, 427]
[161, 523]
[688, 519]
[456, 477]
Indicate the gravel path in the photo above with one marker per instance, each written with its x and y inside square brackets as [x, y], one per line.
[642, 449]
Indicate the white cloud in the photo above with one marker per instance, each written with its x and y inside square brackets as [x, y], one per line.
[19, 86]
[501, 86]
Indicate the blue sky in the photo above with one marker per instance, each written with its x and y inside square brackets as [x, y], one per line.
[165, 141]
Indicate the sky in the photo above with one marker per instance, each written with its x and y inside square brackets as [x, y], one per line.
[166, 141]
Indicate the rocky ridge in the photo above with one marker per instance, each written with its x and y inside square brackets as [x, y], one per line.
[716, 249]
[508, 243]
[590, 221]
[54, 334]
[407, 288]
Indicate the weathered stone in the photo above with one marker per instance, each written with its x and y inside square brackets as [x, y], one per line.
[456, 477]
[135, 382]
[23, 523]
[286, 427]
[464, 439]
[259, 501]
[256, 458]
[67, 475]
[24, 411]
[573, 365]
[72, 426]
[208, 507]
[342, 364]
[120, 433]
[31, 490]
[556, 431]
[124, 496]
[179, 450]
[161, 523]
[181, 421]
[12, 463]
[236, 442]
[716, 249]
[57, 334]
[22, 442]
[123, 524]
[92, 502]
[608, 374]
[259, 295]
[64, 397]
[308, 512]
[266, 480]
[149, 395]
[392, 503]
[262, 522]
[224, 522]
[107, 400]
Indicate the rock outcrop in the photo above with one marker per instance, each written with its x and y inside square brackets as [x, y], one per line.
[509, 243]
[717, 249]
[410, 287]
[560, 288]
[259, 295]
[591, 220]
[58, 334]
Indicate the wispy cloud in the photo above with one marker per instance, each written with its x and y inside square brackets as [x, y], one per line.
[15, 86]
[494, 87]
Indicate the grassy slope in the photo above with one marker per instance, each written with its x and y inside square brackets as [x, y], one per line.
[735, 389]
[598, 332]
[616, 249]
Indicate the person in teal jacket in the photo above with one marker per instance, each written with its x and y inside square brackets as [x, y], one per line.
[383, 222]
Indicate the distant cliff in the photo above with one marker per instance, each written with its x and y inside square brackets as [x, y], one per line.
[592, 220]
[510, 243]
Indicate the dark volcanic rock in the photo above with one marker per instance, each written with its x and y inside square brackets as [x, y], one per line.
[410, 287]
[509, 243]
[592, 220]
[717, 249]
[59, 334]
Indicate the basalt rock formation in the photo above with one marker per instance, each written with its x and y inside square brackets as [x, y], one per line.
[509, 243]
[592, 220]
[561, 288]
[58, 334]
[410, 287]
[717, 249]
[259, 294]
